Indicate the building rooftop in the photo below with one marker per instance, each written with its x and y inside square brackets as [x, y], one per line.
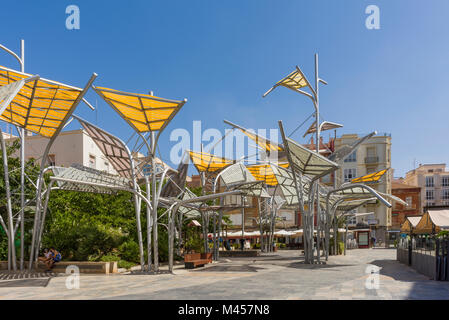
[399, 184]
[428, 166]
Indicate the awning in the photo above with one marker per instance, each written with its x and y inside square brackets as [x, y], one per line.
[262, 142]
[308, 162]
[206, 162]
[143, 112]
[238, 176]
[194, 223]
[440, 218]
[370, 178]
[344, 151]
[410, 223]
[265, 173]
[294, 81]
[414, 220]
[112, 147]
[349, 205]
[84, 179]
[325, 125]
[40, 106]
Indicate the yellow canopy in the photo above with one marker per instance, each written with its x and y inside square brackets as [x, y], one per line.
[40, 106]
[372, 177]
[263, 172]
[294, 80]
[262, 142]
[206, 162]
[143, 112]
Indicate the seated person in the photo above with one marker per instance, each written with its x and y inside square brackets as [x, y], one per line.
[55, 257]
[46, 257]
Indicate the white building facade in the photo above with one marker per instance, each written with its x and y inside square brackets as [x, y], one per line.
[70, 147]
[434, 182]
[371, 156]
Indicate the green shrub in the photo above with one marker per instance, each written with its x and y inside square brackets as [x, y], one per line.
[129, 251]
[341, 247]
[110, 258]
[84, 243]
[125, 264]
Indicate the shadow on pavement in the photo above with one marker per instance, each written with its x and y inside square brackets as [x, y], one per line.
[398, 271]
[25, 279]
[221, 268]
[302, 265]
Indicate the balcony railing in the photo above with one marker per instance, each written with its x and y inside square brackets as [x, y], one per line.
[371, 159]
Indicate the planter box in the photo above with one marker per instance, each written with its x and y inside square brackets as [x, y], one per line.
[84, 266]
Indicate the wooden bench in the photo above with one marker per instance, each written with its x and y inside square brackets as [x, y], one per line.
[193, 260]
[84, 266]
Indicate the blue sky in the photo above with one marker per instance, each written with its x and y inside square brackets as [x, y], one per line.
[223, 55]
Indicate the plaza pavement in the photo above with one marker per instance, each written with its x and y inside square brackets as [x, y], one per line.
[281, 275]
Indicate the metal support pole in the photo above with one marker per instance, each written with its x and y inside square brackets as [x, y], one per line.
[42, 223]
[22, 133]
[12, 249]
[171, 215]
[317, 124]
[40, 179]
[260, 225]
[220, 218]
[154, 189]
[214, 238]
[22, 171]
[346, 234]
[242, 210]
[149, 223]
[335, 236]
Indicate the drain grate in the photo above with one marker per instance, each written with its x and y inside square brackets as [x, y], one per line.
[25, 279]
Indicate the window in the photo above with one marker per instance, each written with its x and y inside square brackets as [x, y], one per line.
[235, 200]
[352, 157]
[429, 182]
[352, 221]
[370, 151]
[430, 195]
[445, 181]
[92, 161]
[106, 166]
[445, 194]
[326, 179]
[52, 159]
[430, 204]
[370, 170]
[349, 174]
[409, 201]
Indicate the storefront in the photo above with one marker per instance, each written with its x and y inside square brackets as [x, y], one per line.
[363, 238]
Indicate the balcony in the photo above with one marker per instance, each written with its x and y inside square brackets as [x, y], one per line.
[370, 160]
